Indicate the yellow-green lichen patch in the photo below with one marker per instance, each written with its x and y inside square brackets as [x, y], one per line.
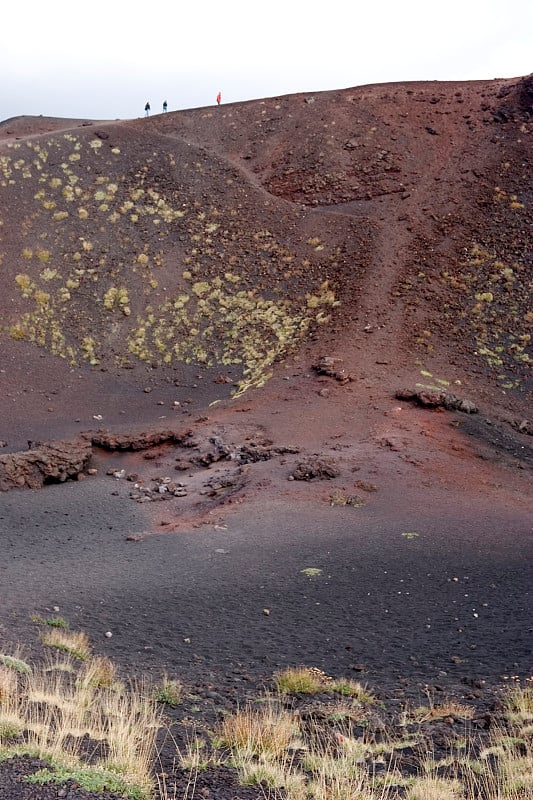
[93, 258]
[219, 325]
[117, 298]
[497, 312]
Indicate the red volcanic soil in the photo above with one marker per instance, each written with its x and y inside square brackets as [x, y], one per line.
[189, 529]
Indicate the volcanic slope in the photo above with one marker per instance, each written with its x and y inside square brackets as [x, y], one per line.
[392, 220]
[234, 305]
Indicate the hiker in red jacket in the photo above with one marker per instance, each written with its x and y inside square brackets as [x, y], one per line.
[219, 98]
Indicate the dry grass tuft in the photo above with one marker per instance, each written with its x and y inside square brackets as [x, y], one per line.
[267, 731]
[99, 671]
[443, 710]
[301, 680]
[75, 643]
[431, 787]
[518, 703]
[89, 729]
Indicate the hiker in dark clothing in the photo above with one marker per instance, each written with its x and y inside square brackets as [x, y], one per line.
[165, 106]
[147, 110]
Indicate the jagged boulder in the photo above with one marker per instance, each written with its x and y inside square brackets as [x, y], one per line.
[315, 468]
[137, 441]
[437, 399]
[48, 462]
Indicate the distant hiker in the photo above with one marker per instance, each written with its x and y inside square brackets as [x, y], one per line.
[165, 106]
[147, 110]
[219, 98]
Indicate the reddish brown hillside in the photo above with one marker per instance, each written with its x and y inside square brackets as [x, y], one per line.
[389, 225]
[284, 349]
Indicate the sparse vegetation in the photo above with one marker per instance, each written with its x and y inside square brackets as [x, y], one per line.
[15, 663]
[353, 689]
[308, 750]
[52, 712]
[169, 692]
[265, 732]
[304, 680]
[226, 319]
[56, 622]
[75, 643]
[313, 755]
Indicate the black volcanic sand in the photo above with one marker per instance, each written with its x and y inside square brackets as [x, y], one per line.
[446, 604]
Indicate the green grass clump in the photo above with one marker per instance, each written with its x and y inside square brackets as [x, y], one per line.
[169, 692]
[56, 622]
[16, 664]
[9, 729]
[300, 680]
[89, 779]
[353, 689]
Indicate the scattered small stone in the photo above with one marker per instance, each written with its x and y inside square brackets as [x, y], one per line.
[108, 634]
[330, 366]
[366, 486]
[523, 426]
[318, 468]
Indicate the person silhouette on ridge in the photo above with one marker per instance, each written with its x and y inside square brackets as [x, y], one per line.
[147, 110]
[165, 106]
[219, 98]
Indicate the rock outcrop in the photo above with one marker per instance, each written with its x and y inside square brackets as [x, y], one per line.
[48, 462]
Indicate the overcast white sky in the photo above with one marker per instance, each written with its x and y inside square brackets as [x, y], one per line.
[103, 59]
